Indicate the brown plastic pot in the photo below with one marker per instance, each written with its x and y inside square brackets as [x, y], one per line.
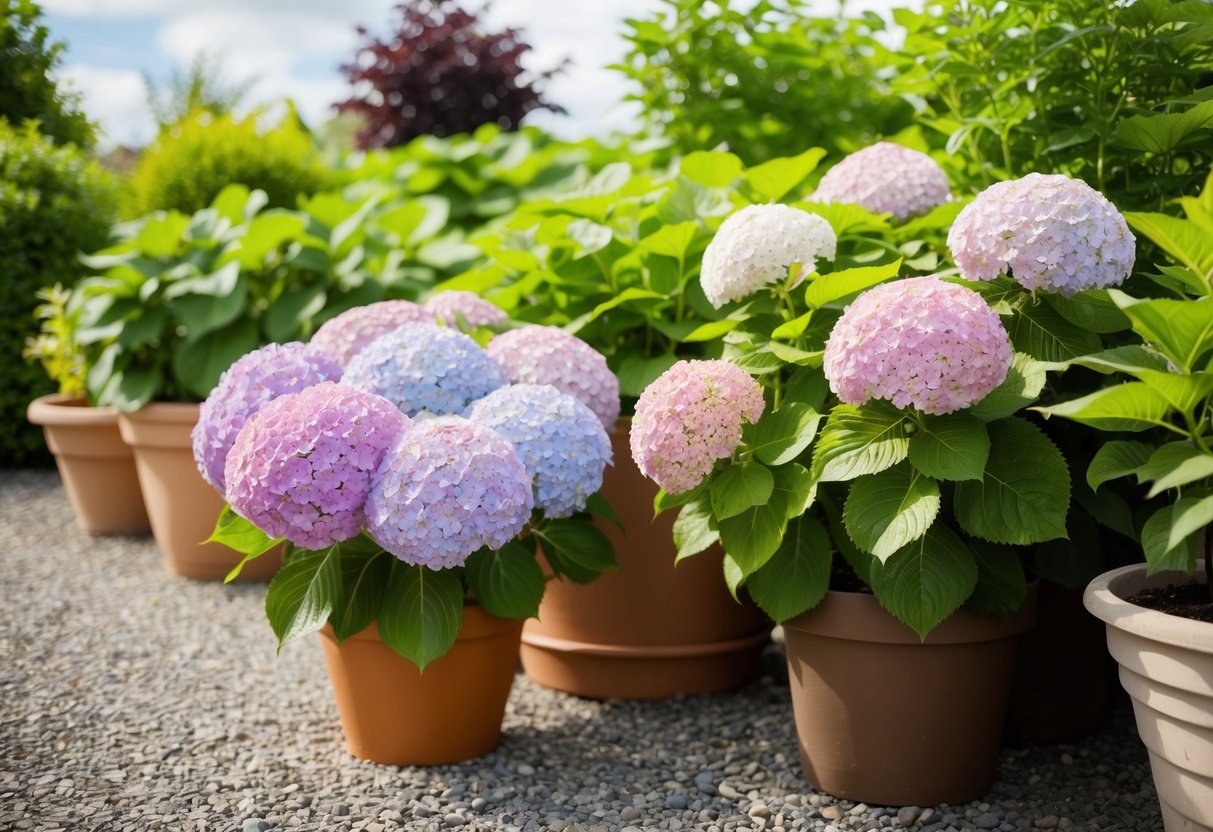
[96, 466]
[181, 506]
[885, 718]
[651, 630]
[1166, 665]
[392, 713]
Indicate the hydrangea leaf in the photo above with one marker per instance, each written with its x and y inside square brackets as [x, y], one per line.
[738, 487]
[781, 435]
[777, 178]
[508, 582]
[715, 169]
[859, 440]
[365, 572]
[1115, 459]
[694, 531]
[1129, 406]
[797, 575]
[1182, 330]
[926, 581]
[198, 362]
[951, 447]
[1045, 335]
[422, 612]
[888, 510]
[1001, 584]
[1155, 542]
[754, 535]
[837, 286]
[576, 540]
[1188, 516]
[1173, 465]
[303, 593]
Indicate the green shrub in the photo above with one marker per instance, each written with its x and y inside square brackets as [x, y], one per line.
[195, 159]
[54, 203]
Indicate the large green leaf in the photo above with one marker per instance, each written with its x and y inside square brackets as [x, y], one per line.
[1130, 406]
[303, 593]
[577, 541]
[1001, 583]
[836, 286]
[859, 440]
[1185, 393]
[637, 372]
[797, 576]
[1181, 329]
[421, 612]
[286, 317]
[886, 511]
[1156, 543]
[365, 572]
[951, 447]
[781, 435]
[777, 178]
[694, 531]
[1116, 459]
[509, 582]
[1025, 492]
[1045, 335]
[738, 487]
[1131, 359]
[752, 537]
[1174, 465]
[715, 169]
[1163, 132]
[926, 581]
[1188, 516]
[1092, 310]
[1025, 379]
[203, 313]
[198, 362]
[233, 531]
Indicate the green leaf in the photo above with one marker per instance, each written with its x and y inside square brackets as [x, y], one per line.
[637, 372]
[161, 233]
[1001, 584]
[1174, 465]
[1129, 406]
[204, 311]
[218, 284]
[752, 537]
[926, 581]
[286, 317]
[234, 532]
[631, 295]
[303, 593]
[693, 530]
[575, 540]
[589, 236]
[792, 355]
[1163, 132]
[598, 505]
[1185, 393]
[782, 435]
[266, 233]
[198, 362]
[760, 362]
[952, 447]
[671, 240]
[509, 582]
[1023, 384]
[133, 388]
[688, 201]
[831, 288]
[365, 573]
[144, 329]
[797, 576]
[733, 576]
[777, 178]
[1130, 359]
[886, 511]
[1025, 491]
[663, 500]
[1155, 542]
[1092, 310]
[421, 612]
[807, 387]
[1045, 335]
[738, 487]
[1181, 329]
[712, 168]
[1188, 516]
[1116, 459]
[858, 440]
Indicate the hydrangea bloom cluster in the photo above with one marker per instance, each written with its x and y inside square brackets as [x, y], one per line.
[757, 245]
[549, 355]
[690, 417]
[447, 307]
[561, 442]
[446, 488]
[244, 388]
[1047, 231]
[342, 337]
[886, 178]
[302, 466]
[922, 342]
[424, 368]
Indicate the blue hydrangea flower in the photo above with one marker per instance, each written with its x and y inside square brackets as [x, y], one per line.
[561, 442]
[424, 368]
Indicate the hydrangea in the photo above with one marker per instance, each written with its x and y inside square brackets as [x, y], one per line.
[559, 439]
[244, 388]
[549, 355]
[886, 178]
[445, 489]
[447, 307]
[1047, 231]
[757, 245]
[302, 466]
[424, 368]
[921, 342]
[342, 337]
[690, 417]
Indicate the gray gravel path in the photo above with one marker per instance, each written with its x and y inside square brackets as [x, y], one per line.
[133, 700]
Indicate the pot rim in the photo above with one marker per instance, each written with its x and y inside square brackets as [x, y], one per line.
[163, 412]
[1104, 599]
[58, 410]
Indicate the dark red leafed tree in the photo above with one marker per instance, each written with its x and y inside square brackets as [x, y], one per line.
[440, 73]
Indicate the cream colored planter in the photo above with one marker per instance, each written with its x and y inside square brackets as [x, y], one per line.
[1166, 665]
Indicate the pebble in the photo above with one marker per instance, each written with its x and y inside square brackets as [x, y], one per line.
[831, 812]
[254, 825]
[987, 820]
[907, 815]
[676, 801]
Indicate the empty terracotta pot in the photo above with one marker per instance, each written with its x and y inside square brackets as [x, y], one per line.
[181, 506]
[1166, 665]
[392, 713]
[887, 719]
[97, 468]
[652, 629]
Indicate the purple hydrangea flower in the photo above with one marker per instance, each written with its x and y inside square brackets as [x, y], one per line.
[559, 439]
[922, 342]
[549, 355]
[244, 388]
[690, 417]
[1047, 231]
[449, 306]
[424, 368]
[344, 336]
[302, 466]
[886, 178]
[446, 488]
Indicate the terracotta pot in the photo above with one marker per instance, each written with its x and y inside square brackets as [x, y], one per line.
[1166, 665]
[887, 719]
[96, 466]
[653, 629]
[393, 713]
[181, 506]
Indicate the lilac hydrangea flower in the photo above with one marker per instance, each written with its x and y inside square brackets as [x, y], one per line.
[886, 178]
[922, 342]
[559, 439]
[448, 307]
[342, 337]
[445, 489]
[756, 246]
[1047, 231]
[244, 388]
[302, 466]
[690, 417]
[424, 368]
[549, 355]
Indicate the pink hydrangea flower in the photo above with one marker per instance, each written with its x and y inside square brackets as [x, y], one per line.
[1048, 232]
[886, 178]
[690, 417]
[549, 355]
[302, 466]
[448, 307]
[342, 337]
[919, 342]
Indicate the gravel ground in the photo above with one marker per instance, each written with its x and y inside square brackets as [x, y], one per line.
[133, 700]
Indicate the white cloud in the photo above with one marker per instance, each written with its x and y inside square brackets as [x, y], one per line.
[117, 99]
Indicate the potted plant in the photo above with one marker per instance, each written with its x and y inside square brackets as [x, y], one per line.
[414, 532]
[97, 467]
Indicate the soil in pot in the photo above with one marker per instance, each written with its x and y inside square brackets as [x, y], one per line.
[1184, 600]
